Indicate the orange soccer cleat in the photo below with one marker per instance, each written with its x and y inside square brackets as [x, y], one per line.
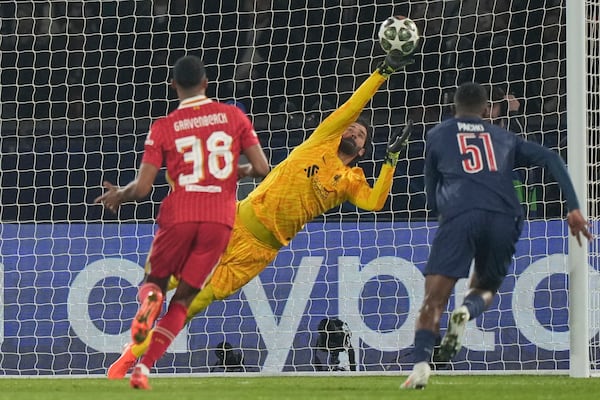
[139, 378]
[124, 363]
[146, 315]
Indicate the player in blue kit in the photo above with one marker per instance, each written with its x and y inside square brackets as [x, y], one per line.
[468, 181]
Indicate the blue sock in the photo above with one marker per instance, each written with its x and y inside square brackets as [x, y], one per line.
[424, 342]
[474, 304]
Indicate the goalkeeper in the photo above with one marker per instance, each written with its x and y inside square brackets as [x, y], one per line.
[314, 178]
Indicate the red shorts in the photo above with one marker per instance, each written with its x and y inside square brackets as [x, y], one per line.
[190, 251]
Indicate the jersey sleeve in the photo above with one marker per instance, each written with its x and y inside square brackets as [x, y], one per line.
[153, 148]
[432, 175]
[334, 125]
[528, 153]
[367, 198]
[248, 134]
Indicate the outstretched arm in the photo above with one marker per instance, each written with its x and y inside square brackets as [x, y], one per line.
[335, 124]
[135, 190]
[550, 160]
[532, 153]
[374, 199]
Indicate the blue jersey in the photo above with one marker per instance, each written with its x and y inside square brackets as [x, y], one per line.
[469, 165]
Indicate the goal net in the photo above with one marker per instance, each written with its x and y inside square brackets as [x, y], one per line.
[80, 83]
[591, 82]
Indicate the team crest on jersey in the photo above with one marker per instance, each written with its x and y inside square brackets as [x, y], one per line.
[149, 141]
[312, 170]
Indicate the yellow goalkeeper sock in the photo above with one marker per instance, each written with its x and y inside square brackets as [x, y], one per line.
[200, 302]
[138, 350]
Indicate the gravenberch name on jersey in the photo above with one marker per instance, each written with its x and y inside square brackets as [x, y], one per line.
[466, 127]
[199, 122]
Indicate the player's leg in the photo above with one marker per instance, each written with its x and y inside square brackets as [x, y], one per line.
[151, 298]
[165, 332]
[132, 351]
[168, 253]
[449, 260]
[476, 301]
[469, 229]
[494, 253]
[210, 241]
[495, 249]
[495, 246]
[200, 302]
[438, 289]
[206, 295]
[244, 258]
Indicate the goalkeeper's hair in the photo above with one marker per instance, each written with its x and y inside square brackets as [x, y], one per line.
[368, 139]
[471, 98]
[189, 71]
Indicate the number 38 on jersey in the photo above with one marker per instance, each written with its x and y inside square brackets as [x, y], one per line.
[218, 162]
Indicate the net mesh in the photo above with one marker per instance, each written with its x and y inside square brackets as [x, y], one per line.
[80, 83]
[593, 160]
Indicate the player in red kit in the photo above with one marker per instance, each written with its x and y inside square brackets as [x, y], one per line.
[200, 143]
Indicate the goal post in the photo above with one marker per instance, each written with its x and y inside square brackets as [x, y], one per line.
[81, 81]
[578, 43]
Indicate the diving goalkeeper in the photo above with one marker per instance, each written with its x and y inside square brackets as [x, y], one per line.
[315, 177]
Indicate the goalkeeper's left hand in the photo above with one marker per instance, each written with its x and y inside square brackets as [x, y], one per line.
[397, 142]
[394, 61]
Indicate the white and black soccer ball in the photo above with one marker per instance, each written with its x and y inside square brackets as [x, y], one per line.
[398, 33]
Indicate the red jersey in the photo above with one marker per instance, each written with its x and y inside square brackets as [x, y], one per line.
[200, 143]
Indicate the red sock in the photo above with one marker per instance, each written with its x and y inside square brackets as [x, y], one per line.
[164, 333]
[145, 289]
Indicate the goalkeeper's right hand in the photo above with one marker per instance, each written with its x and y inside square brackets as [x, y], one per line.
[394, 61]
[397, 142]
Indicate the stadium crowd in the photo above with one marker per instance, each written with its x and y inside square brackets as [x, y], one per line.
[82, 75]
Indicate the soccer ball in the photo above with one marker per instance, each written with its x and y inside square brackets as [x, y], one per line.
[398, 33]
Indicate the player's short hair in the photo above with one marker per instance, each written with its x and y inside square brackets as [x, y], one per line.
[496, 94]
[470, 97]
[189, 71]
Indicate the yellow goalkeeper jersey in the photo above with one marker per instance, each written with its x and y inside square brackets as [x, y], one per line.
[313, 179]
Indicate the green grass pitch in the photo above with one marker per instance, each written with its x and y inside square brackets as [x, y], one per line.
[444, 387]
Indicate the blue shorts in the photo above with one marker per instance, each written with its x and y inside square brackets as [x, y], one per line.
[484, 236]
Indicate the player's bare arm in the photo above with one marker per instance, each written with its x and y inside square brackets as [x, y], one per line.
[135, 190]
[258, 167]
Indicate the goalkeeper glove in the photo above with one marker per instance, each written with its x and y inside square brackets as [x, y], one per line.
[397, 142]
[394, 61]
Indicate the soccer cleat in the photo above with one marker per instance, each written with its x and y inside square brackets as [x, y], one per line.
[124, 363]
[146, 315]
[419, 376]
[452, 341]
[139, 378]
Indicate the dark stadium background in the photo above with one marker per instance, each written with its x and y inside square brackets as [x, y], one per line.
[76, 105]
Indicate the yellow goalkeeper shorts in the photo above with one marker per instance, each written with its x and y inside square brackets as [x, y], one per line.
[244, 259]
